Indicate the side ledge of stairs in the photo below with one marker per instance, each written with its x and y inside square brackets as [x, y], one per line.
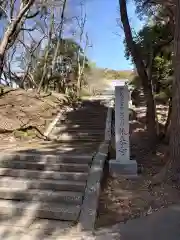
[58, 117]
[93, 187]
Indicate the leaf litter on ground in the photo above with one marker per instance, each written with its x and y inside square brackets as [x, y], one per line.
[122, 199]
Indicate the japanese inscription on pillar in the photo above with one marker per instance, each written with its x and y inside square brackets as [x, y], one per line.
[122, 123]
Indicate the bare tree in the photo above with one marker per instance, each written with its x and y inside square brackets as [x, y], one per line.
[81, 21]
[58, 45]
[81, 65]
[45, 67]
[14, 27]
[59, 42]
[83, 40]
[29, 60]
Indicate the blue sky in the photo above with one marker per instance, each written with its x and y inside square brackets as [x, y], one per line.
[108, 49]
[105, 35]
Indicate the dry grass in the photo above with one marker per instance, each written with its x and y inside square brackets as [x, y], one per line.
[21, 108]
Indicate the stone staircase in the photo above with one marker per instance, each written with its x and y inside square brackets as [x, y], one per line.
[138, 98]
[82, 125]
[51, 182]
[37, 186]
[142, 100]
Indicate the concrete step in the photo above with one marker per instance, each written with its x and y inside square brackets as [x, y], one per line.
[78, 127]
[45, 158]
[14, 209]
[87, 117]
[96, 141]
[34, 174]
[98, 120]
[78, 135]
[82, 127]
[81, 130]
[50, 226]
[79, 147]
[38, 229]
[41, 195]
[91, 112]
[22, 184]
[74, 137]
[87, 120]
[69, 167]
[86, 133]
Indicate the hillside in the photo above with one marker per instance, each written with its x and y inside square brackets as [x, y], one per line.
[24, 115]
[114, 74]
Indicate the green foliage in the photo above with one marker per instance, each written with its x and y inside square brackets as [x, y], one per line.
[149, 40]
[68, 51]
[162, 73]
[154, 43]
[85, 92]
[161, 97]
[135, 81]
[146, 9]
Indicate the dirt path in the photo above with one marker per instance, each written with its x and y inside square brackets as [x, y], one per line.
[122, 200]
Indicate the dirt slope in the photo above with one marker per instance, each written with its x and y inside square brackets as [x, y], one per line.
[21, 112]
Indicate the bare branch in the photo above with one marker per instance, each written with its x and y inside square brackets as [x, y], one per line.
[9, 19]
[11, 30]
[28, 29]
[33, 15]
[12, 8]
[60, 35]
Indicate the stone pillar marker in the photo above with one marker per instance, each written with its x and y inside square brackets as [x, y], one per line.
[122, 123]
[122, 165]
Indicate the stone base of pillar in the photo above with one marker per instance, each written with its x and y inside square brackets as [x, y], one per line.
[127, 169]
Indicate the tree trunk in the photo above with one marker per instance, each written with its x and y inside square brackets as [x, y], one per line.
[45, 67]
[81, 71]
[151, 116]
[168, 121]
[1, 64]
[59, 42]
[79, 81]
[141, 69]
[11, 30]
[175, 116]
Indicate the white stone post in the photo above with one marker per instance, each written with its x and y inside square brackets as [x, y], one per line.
[122, 123]
[122, 165]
